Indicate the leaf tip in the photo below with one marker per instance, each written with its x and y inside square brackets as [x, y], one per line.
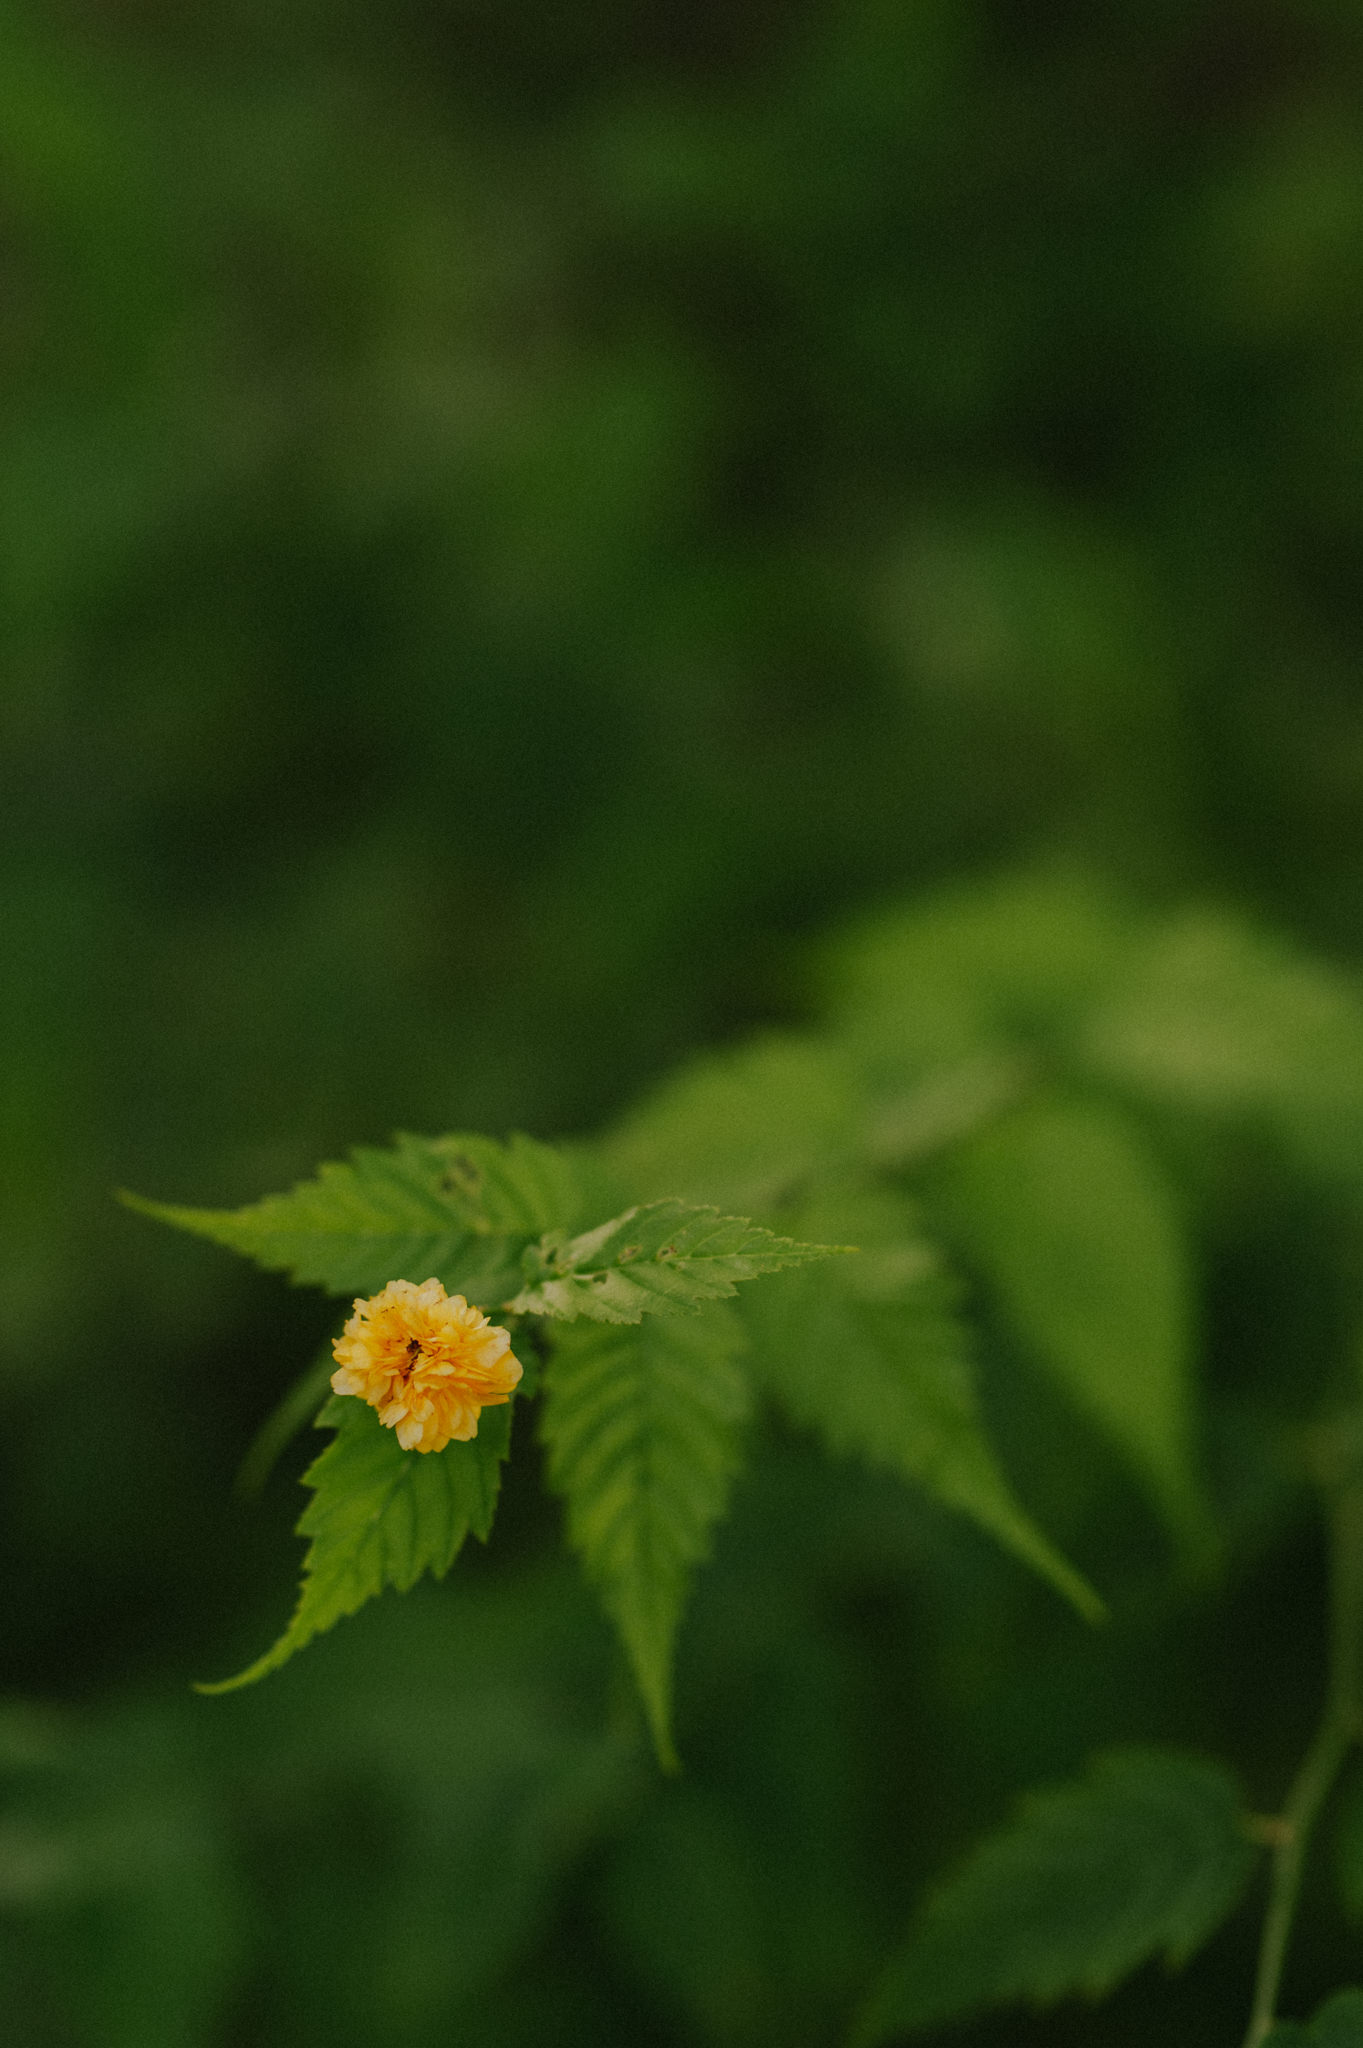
[176, 1214]
[1061, 1576]
[279, 1654]
[653, 1697]
[1086, 1601]
[1089, 1604]
[213, 1688]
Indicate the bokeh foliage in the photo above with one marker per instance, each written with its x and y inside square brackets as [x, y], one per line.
[513, 519]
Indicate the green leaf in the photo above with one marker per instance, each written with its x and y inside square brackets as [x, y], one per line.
[382, 1516]
[1216, 1017]
[518, 1189]
[1145, 1855]
[1338, 2024]
[458, 1208]
[666, 1258]
[746, 1129]
[1070, 1219]
[643, 1428]
[871, 1353]
[1349, 1846]
[1011, 959]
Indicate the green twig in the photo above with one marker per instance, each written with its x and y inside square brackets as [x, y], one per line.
[293, 1413]
[1340, 1727]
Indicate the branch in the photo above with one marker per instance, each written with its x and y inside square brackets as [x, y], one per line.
[1341, 1723]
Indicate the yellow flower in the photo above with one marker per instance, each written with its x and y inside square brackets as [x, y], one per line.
[427, 1361]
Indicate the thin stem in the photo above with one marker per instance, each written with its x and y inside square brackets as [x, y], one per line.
[1340, 1727]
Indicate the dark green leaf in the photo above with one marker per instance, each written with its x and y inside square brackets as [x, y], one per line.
[643, 1429]
[382, 1516]
[1144, 1856]
[1338, 2024]
[871, 1353]
[1070, 1219]
[1009, 960]
[1349, 1846]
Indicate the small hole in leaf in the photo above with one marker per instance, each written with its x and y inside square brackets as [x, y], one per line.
[463, 1176]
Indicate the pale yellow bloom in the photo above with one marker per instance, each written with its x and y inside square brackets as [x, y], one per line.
[427, 1361]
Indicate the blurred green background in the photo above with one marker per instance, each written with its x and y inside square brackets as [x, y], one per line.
[513, 519]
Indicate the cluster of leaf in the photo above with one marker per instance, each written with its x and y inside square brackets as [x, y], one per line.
[1027, 1086]
[642, 1420]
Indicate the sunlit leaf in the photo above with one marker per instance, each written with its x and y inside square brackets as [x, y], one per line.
[517, 1189]
[666, 1258]
[458, 1208]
